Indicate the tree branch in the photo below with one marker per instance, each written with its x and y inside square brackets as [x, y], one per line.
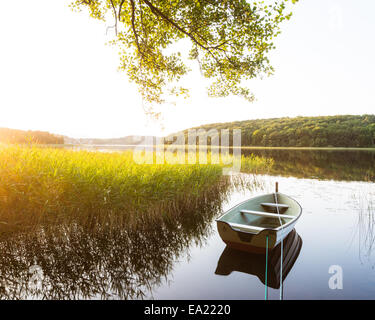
[119, 10]
[159, 13]
[115, 13]
[134, 29]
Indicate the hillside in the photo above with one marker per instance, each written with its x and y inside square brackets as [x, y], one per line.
[21, 136]
[324, 131]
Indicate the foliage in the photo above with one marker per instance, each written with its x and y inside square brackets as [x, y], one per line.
[24, 137]
[229, 38]
[324, 131]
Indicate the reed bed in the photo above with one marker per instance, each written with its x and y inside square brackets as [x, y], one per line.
[47, 185]
[365, 230]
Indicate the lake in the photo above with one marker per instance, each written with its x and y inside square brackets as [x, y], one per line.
[331, 234]
[188, 260]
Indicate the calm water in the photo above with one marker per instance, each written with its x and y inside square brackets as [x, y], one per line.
[188, 260]
[331, 233]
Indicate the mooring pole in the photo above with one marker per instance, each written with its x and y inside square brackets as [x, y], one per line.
[277, 187]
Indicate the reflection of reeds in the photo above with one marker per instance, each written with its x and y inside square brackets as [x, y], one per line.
[124, 262]
[366, 224]
[50, 186]
[102, 225]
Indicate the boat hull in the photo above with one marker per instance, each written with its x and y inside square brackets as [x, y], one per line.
[256, 241]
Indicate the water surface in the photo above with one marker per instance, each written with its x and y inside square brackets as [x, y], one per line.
[332, 233]
[186, 259]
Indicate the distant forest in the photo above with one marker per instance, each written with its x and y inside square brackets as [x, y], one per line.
[24, 137]
[327, 131]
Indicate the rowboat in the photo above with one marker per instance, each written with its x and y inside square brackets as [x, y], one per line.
[259, 222]
[255, 264]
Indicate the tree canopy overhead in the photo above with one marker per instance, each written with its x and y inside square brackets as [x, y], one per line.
[229, 38]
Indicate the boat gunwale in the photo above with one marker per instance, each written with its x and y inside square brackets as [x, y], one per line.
[264, 229]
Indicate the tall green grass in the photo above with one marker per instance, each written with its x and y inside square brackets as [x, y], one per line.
[46, 185]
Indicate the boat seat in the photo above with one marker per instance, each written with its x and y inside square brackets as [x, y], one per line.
[275, 205]
[266, 214]
[245, 228]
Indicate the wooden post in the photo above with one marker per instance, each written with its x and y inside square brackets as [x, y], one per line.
[277, 187]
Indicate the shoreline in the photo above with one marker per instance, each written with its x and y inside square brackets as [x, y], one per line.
[230, 147]
[184, 146]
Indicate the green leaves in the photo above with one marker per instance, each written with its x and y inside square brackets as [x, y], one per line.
[230, 39]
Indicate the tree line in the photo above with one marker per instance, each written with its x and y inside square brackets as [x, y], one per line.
[319, 164]
[323, 131]
[24, 137]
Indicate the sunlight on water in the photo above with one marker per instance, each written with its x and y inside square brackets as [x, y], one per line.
[329, 229]
[185, 258]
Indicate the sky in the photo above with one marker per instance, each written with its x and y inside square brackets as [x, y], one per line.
[57, 74]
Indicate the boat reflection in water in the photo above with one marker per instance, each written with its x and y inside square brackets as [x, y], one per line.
[255, 264]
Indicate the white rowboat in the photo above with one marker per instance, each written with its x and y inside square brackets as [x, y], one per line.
[259, 222]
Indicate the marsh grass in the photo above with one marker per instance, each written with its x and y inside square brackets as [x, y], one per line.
[52, 186]
[365, 230]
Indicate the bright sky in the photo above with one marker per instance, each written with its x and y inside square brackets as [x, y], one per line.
[57, 75]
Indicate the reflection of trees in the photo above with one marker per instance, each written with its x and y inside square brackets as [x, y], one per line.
[321, 164]
[71, 262]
